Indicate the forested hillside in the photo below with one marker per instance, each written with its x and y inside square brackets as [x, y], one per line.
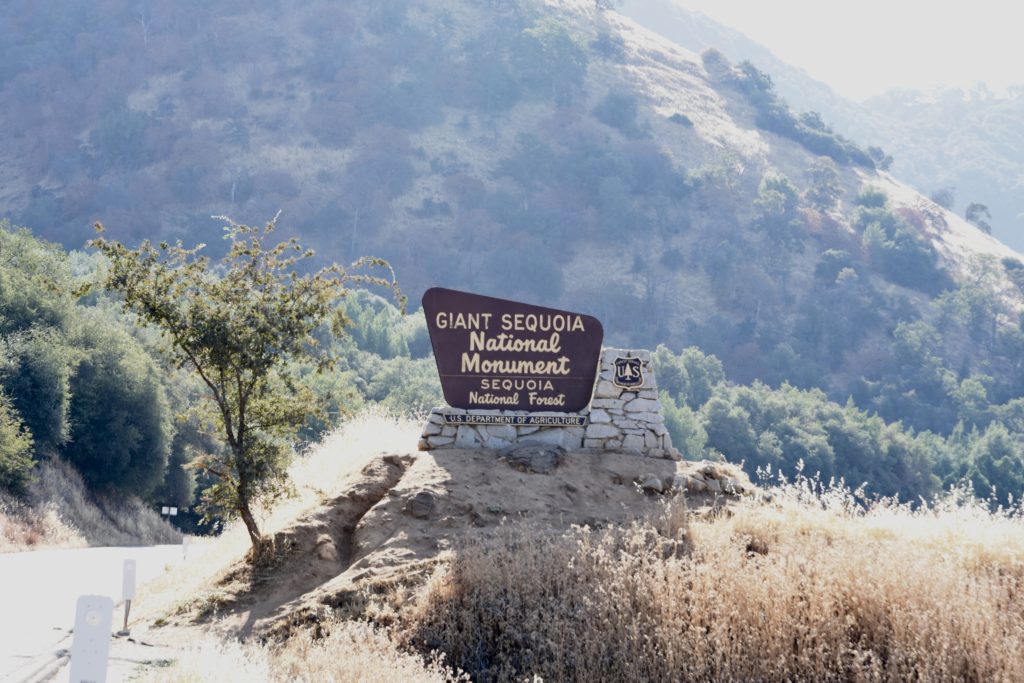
[963, 146]
[546, 151]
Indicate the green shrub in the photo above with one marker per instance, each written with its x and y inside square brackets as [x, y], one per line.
[681, 119]
[121, 423]
[16, 460]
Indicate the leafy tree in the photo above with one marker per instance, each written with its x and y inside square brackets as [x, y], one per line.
[944, 197]
[685, 428]
[238, 326]
[996, 465]
[121, 427]
[824, 190]
[38, 383]
[883, 161]
[552, 60]
[619, 110]
[872, 198]
[16, 461]
[978, 215]
[778, 219]
[689, 377]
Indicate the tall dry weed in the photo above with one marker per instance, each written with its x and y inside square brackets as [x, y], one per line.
[809, 587]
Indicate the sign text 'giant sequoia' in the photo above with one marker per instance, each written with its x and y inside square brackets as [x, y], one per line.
[494, 353]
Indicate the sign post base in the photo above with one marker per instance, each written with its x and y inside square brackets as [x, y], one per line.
[624, 416]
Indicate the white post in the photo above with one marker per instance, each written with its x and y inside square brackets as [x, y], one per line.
[90, 647]
[127, 592]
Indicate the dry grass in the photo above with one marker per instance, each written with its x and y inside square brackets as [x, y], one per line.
[60, 512]
[27, 527]
[807, 588]
[353, 651]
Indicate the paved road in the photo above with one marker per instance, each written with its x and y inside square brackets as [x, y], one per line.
[38, 591]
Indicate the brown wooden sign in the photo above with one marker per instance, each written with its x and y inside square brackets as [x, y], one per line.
[499, 354]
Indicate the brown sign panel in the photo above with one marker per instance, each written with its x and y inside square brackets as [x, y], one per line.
[498, 354]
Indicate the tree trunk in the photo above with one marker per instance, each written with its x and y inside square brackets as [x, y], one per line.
[250, 525]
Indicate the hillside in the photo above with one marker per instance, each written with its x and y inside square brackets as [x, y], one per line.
[425, 562]
[546, 152]
[538, 151]
[952, 138]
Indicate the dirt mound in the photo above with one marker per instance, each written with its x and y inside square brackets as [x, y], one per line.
[402, 513]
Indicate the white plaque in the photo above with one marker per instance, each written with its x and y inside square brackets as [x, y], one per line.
[90, 647]
[165, 510]
[173, 511]
[128, 581]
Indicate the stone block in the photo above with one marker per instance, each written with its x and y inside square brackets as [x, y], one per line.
[575, 433]
[650, 418]
[494, 442]
[651, 440]
[440, 441]
[598, 415]
[605, 389]
[601, 431]
[432, 428]
[505, 432]
[606, 403]
[650, 483]
[467, 437]
[449, 430]
[421, 505]
[633, 442]
[593, 443]
[568, 438]
[642, 405]
[613, 444]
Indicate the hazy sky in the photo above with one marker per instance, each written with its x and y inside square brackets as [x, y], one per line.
[864, 47]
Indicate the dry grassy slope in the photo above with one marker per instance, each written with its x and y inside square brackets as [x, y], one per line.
[389, 524]
[60, 511]
[674, 80]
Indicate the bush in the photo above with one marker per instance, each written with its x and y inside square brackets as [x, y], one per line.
[619, 111]
[38, 383]
[16, 461]
[681, 119]
[121, 434]
[807, 129]
[684, 427]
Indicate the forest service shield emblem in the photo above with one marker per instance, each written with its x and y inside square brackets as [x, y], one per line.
[629, 373]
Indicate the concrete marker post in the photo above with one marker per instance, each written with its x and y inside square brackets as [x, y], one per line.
[127, 593]
[90, 648]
